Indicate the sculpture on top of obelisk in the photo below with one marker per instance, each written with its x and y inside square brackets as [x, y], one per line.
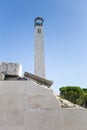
[39, 59]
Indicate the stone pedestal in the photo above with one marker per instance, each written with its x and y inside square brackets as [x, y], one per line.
[25, 105]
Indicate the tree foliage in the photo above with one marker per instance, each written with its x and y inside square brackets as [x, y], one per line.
[85, 97]
[72, 93]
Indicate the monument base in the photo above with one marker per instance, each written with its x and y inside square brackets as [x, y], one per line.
[26, 105]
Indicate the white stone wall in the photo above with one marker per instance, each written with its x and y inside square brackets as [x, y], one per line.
[25, 105]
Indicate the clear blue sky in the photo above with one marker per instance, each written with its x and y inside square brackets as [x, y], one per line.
[65, 34]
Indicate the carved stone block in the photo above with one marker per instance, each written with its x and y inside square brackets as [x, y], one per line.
[12, 69]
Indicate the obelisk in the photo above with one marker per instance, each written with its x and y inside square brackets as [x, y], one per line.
[39, 60]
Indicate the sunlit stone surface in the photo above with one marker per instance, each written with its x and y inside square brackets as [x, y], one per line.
[26, 105]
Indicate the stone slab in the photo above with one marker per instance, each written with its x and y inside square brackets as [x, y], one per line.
[11, 117]
[33, 88]
[43, 119]
[42, 102]
[12, 88]
[12, 102]
[8, 127]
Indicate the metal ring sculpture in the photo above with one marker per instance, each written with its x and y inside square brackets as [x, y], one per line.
[39, 21]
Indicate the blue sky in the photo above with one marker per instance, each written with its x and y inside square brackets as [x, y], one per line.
[65, 37]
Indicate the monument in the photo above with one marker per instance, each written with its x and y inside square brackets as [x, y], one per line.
[39, 62]
[27, 103]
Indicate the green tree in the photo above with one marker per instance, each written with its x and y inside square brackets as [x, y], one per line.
[85, 97]
[72, 93]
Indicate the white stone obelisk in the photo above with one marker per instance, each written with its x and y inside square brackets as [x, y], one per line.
[39, 60]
